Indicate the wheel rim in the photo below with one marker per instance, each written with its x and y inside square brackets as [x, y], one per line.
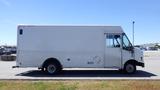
[51, 68]
[130, 68]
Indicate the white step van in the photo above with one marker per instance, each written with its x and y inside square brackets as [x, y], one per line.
[52, 48]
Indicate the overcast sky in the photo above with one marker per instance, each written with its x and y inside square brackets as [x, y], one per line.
[145, 13]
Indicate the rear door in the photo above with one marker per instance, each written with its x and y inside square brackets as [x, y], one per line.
[113, 51]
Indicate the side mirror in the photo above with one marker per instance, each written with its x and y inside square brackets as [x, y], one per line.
[131, 49]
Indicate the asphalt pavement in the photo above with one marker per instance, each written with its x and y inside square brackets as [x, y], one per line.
[151, 71]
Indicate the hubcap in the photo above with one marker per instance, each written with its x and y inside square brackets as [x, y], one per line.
[130, 68]
[51, 68]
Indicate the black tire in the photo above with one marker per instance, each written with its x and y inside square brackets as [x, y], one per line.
[52, 68]
[129, 68]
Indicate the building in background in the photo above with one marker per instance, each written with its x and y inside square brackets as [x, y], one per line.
[150, 47]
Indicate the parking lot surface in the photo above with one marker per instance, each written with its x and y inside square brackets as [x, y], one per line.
[151, 71]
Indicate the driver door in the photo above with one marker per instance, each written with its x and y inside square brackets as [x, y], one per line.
[113, 50]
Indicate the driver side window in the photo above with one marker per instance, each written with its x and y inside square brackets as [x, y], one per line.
[113, 41]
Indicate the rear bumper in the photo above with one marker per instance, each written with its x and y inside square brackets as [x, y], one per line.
[140, 64]
[15, 66]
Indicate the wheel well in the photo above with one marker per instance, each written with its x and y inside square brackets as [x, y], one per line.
[52, 60]
[131, 61]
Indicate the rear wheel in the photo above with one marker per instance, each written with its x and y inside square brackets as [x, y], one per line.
[130, 68]
[51, 68]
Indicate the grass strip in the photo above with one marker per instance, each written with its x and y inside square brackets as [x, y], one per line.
[81, 85]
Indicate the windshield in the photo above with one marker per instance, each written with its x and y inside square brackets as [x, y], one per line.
[126, 42]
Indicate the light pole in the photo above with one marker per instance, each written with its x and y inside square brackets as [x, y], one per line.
[133, 32]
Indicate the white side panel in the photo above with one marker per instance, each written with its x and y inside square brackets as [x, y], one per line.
[84, 46]
[113, 57]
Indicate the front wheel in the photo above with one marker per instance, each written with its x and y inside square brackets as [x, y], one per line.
[130, 68]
